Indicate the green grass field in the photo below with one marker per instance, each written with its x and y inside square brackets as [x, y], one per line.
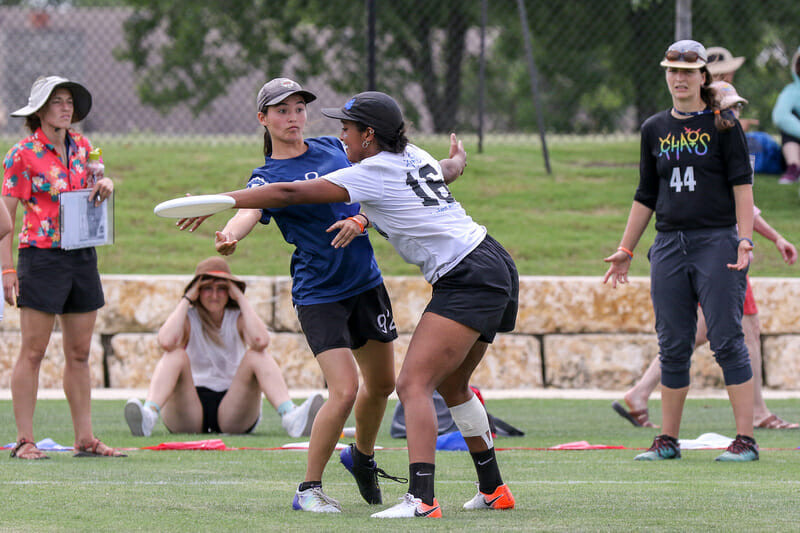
[249, 490]
[559, 224]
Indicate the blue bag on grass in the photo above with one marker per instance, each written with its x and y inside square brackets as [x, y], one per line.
[769, 159]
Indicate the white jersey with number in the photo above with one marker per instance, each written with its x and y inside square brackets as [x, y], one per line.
[407, 201]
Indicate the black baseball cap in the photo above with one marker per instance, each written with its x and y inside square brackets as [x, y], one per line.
[375, 109]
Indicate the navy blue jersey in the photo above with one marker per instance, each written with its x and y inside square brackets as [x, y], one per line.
[688, 169]
[320, 273]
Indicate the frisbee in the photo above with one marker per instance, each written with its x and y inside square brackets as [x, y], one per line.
[194, 206]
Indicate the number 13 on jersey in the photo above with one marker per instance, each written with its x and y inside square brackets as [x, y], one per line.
[678, 182]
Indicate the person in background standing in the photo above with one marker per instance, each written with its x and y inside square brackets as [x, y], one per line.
[695, 175]
[50, 281]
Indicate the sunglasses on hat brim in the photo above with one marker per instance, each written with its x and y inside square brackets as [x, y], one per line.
[689, 56]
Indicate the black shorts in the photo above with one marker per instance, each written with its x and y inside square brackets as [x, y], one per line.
[785, 138]
[59, 281]
[481, 292]
[348, 323]
[210, 400]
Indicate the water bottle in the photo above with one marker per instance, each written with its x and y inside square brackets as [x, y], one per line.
[95, 169]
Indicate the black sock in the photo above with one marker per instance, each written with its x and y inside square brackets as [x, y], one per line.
[488, 471]
[421, 485]
[305, 485]
[362, 459]
[748, 440]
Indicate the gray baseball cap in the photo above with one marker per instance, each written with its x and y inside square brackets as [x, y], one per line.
[685, 54]
[277, 90]
[43, 87]
[373, 108]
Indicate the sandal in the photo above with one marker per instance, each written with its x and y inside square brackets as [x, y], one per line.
[32, 452]
[97, 449]
[640, 418]
[775, 422]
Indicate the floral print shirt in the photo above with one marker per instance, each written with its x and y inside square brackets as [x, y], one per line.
[34, 173]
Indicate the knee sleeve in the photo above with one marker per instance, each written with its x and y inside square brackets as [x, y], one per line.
[472, 421]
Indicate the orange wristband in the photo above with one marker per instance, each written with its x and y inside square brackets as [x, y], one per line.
[623, 249]
[9, 271]
[360, 225]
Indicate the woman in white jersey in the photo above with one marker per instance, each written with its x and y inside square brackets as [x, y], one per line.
[403, 192]
[215, 365]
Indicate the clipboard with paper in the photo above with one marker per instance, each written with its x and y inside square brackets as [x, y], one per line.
[83, 224]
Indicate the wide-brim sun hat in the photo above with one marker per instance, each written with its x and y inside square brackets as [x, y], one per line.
[726, 94]
[686, 54]
[44, 86]
[214, 267]
[375, 109]
[279, 89]
[721, 61]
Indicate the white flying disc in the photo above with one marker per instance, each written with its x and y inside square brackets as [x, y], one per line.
[194, 206]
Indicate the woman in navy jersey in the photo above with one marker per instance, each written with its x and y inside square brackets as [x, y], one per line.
[403, 192]
[695, 174]
[338, 293]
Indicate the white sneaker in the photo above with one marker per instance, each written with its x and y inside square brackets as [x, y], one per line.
[316, 501]
[140, 420]
[411, 507]
[299, 420]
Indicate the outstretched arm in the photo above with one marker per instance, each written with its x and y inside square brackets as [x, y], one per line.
[236, 229]
[316, 191]
[454, 166]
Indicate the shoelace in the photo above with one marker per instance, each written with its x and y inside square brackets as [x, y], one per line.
[324, 498]
[661, 443]
[739, 446]
[379, 472]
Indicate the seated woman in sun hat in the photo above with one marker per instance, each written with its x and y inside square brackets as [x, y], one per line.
[51, 281]
[215, 365]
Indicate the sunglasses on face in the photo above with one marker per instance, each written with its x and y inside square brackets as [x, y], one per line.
[738, 106]
[688, 57]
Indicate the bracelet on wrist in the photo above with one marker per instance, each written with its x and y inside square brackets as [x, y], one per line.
[366, 220]
[623, 249]
[187, 299]
[9, 271]
[748, 240]
[360, 225]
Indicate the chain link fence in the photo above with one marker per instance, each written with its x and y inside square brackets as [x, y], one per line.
[193, 68]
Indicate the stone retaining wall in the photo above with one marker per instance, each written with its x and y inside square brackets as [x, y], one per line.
[572, 332]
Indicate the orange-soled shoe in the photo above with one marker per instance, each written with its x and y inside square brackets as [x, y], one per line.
[501, 498]
[411, 507]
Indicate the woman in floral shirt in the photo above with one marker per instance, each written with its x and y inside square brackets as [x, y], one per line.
[51, 281]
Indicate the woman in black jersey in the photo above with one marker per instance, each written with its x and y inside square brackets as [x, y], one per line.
[695, 174]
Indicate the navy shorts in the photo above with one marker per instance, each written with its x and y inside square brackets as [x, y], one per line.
[481, 292]
[210, 400]
[348, 323]
[59, 281]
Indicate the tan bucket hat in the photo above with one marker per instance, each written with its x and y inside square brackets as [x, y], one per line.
[721, 61]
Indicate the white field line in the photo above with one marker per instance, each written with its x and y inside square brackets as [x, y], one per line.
[574, 394]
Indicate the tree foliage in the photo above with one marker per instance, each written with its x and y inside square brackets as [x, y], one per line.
[597, 61]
